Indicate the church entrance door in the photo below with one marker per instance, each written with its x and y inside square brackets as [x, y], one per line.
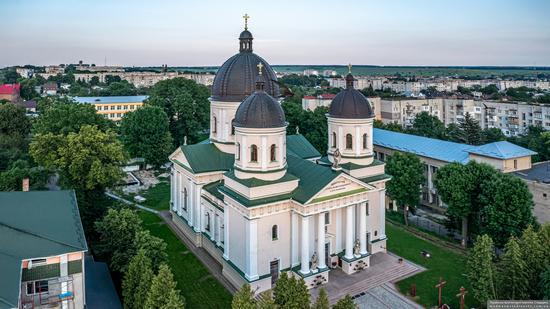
[274, 271]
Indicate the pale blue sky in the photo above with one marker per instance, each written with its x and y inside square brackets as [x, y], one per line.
[189, 33]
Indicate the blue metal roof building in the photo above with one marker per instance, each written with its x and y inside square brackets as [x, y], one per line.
[444, 150]
[110, 100]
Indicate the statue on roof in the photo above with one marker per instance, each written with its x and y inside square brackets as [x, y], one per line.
[336, 157]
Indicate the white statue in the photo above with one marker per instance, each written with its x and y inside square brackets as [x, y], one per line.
[314, 260]
[356, 247]
[336, 156]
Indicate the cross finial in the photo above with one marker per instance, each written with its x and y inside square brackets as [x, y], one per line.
[260, 67]
[349, 68]
[246, 17]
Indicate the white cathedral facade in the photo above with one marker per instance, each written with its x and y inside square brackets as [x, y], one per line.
[262, 202]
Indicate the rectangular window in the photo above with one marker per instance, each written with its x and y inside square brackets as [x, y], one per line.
[118, 107]
[327, 218]
[112, 107]
[105, 108]
[38, 262]
[515, 164]
[37, 287]
[119, 115]
[125, 106]
[131, 107]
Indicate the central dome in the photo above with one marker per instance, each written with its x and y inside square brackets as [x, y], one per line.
[350, 103]
[236, 78]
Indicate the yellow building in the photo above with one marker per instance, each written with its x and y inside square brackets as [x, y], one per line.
[113, 107]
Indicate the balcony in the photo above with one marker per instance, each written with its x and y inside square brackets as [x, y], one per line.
[50, 293]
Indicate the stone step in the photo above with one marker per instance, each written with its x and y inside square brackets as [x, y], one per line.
[375, 281]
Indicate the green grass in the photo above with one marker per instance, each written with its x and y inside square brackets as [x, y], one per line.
[197, 285]
[158, 197]
[446, 263]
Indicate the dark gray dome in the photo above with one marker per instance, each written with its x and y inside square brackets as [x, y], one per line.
[259, 110]
[236, 78]
[350, 103]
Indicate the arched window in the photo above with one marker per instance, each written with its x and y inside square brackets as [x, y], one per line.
[237, 151]
[274, 232]
[333, 139]
[254, 153]
[207, 223]
[349, 141]
[185, 199]
[272, 150]
[365, 141]
[214, 124]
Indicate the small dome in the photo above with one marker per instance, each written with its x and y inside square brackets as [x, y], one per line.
[260, 110]
[245, 35]
[235, 79]
[350, 103]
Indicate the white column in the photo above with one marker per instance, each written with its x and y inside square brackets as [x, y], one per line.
[358, 141]
[363, 228]
[263, 153]
[198, 206]
[218, 231]
[305, 245]
[338, 223]
[172, 186]
[179, 193]
[252, 250]
[190, 204]
[294, 239]
[321, 239]
[382, 214]
[349, 232]
[63, 272]
[226, 232]
[340, 139]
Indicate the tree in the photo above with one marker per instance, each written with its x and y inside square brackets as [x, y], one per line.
[122, 88]
[153, 247]
[455, 185]
[137, 281]
[63, 118]
[14, 130]
[407, 176]
[453, 133]
[266, 301]
[186, 105]
[470, 130]
[244, 298]
[513, 280]
[507, 207]
[345, 303]
[427, 125]
[480, 270]
[12, 178]
[145, 134]
[322, 300]
[491, 135]
[544, 284]
[117, 231]
[87, 160]
[163, 293]
[290, 292]
[533, 254]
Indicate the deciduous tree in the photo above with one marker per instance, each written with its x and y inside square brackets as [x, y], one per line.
[427, 125]
[244, 298]
[345, 303]
[291, 292]
[64, 118]
[145, 134]
[533, 251]
[407, 176]
[322, 300]
[153, 247]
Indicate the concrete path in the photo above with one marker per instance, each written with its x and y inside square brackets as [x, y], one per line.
[204, 257]
[118, 198]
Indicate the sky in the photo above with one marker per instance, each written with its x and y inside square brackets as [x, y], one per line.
[201, 33]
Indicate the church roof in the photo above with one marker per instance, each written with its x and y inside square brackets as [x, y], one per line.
[350, 103]
[299, 146]
[313, 177]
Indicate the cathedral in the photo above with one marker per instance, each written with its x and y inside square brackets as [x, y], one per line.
[262, 202]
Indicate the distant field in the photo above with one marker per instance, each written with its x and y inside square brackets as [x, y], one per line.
[405, 71]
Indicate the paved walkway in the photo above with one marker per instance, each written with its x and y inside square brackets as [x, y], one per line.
[384, 296]
[204, 257]
[384, 269]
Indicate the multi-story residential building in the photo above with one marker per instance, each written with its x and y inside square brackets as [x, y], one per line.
[146, 79]
[113, 108]
[308, 72]
[42, 247]
[359, 83]
[54, 69]
[513, 118]
[329, 73]
[99, 68]
[10, 92]
[311, 102]
[49, 89]
[504, 156]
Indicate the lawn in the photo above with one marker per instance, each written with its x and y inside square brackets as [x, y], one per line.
[157, 197]
[197, 285]
[446, 263]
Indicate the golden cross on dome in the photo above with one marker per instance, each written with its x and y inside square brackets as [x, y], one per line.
[260, 67]
[246, 17]
[349, 68]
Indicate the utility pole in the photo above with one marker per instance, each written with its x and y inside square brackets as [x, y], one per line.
[440, 286]
[461, 295]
